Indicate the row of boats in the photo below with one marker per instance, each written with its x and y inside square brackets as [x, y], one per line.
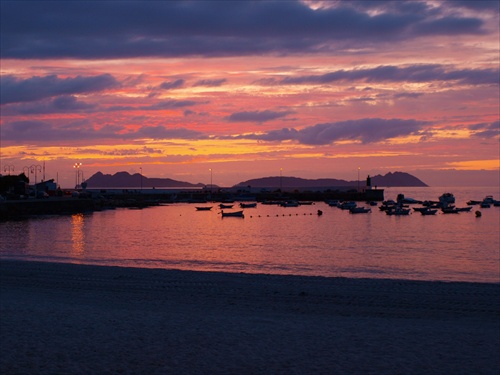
[223, 206]
[399, 207]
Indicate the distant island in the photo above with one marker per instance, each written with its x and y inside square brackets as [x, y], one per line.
[396, 179]
[127, 180]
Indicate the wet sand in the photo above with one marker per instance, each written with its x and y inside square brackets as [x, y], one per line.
[76, 319]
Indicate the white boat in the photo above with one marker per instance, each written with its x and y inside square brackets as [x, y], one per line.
[232, 214]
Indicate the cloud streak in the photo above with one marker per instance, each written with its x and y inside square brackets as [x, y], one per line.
[389, 73]
[368, 130]
[42, 131]
[139, 29]
[16, 90]
[257, 116]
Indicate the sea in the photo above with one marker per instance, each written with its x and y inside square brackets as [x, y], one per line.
[275, 240]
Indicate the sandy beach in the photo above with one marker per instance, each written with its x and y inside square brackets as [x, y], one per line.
[76, 319]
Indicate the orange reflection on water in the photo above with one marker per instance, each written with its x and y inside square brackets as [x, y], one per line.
[77, 234]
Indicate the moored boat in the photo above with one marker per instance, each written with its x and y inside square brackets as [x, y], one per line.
[359, 210]
[232, 214]
[222, 205]
[290, 204]
[450, 210]
[203, 208]
[347, 205]
[398, 211]
[429, 211]
[248, 205]
[447, 198]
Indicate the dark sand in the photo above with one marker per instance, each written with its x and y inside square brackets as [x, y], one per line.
[75, 319]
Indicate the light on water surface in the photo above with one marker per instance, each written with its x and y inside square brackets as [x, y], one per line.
[272, 239]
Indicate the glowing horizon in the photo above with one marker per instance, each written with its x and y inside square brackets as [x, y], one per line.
[319, 94]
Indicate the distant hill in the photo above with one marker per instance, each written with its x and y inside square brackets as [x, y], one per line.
[127, 180]
[395, 179]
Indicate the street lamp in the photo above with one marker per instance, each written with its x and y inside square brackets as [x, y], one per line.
[358, 178]
[77, 175]
[140, 168]
[211, 185]
[34, 169]
[8, 168]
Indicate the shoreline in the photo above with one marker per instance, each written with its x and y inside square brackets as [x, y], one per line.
[67, 318]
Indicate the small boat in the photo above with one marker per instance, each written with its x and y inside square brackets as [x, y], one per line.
[222, 205]
[472, 202]
[333, 203]
[464, 209]
[266, 202]
[347, 205]
[450, 210]
[305, 203]
[248, 205]
[429, 212]
[359, 210]
[232, 214]
[421, 209]
[447, 198]
[290, 204]
[203, 208]
[398, 211]
[489, 199]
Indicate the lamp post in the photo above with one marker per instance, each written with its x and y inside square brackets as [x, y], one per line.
[34, 169]
[211, 185]
[140, 168]
[281, 180]
[77, 175]
[8, 168]
[358, 178]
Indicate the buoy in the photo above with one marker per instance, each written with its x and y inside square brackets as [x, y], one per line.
[478, 213]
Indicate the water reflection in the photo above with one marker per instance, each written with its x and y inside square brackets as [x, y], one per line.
[77, 234]
[273, 240]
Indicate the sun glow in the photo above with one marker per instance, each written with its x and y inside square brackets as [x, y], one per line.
[470, 165]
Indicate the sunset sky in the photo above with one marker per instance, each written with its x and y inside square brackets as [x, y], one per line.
[316, 89]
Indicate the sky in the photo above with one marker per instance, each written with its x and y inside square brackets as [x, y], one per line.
[227, 91]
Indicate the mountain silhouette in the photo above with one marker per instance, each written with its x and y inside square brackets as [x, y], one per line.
[395, 179]
[127, 180]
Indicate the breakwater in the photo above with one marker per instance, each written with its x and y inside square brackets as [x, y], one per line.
[53, 206]
[92, 201]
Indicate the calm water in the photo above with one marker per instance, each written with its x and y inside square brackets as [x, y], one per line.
[275, 240]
